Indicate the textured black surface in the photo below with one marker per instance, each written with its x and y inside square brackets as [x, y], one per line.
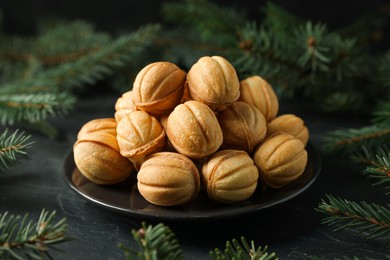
[292, 229]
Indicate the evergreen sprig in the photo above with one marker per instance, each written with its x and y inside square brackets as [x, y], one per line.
[52, 76]
[13, 147]
[295, 55]
[379, 170]
[155, 242]
[34, 107]
[22, 238]
[352, 140]
[371, 220]
[102, 63]
[242, 251]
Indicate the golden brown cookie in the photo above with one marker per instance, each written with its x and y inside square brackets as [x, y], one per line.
[168, 179]
[258, 92]
[159, 87]
[213, 81]
[243, 126]
[193, 130]
[139, 135]
[229, 176]
[290, 124]
[281, 159]
[97, 157]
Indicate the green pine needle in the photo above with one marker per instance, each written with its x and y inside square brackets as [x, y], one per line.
[13, 147]
[242, 251]
[379, 171]
[33, 107]
[205, 16]
[155, 242]
[381, 114]
[351, 140]
[91, 68]
[369, 219]
[21, 238]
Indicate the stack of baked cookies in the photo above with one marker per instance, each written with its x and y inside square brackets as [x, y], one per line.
[203, 130]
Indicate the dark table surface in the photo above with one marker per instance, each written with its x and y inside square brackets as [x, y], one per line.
[292, 229]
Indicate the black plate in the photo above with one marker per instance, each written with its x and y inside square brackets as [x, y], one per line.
[125, 198]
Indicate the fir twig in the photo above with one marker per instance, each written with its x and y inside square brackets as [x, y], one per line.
[21, 238]
[93, 67]
[244, 251]
[33, 107]
[380, 171]
[381, 114]
[13, 147]
[369, 219]
[351, 140]
[155, 242]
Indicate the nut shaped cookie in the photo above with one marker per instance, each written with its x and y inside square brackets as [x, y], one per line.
[97, 157]
[124, 105]
[243, 126]
[213, 81]
[258, 92]
[281, 159]
[168, 179]
[106, 125]
[193, 130]
[158, 87]
[139, 135]
[290, 124]
[230, 176]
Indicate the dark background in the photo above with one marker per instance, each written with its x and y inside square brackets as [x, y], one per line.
[20, 16]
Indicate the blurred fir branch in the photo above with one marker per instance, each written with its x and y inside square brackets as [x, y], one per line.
[349, 141]
[295, 55]
[22, 238]
[46, 79]
[155, 242]
[379, 171]
[159, 242]
[371, 220]
[13, 147]
[242, 251]
[33, 107]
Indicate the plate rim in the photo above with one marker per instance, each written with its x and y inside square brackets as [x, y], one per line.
[313, 154]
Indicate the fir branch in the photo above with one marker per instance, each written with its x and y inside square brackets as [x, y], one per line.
[68, 41]
[314, 53]
[342, 101]
[366, 155]
[64, 42]
[35, 107]
[369, 219]
[81, 66]
[13, 147]
[381, 113]
[380, 171]
[368, 28]
[155, 242]
[351, 140]
[293, 54]
[21, 238]
[235, 250]
[91, 68]
[279, 19]
[375, 164]
[205, 17]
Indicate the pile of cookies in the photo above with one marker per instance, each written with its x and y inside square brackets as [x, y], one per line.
[203, 130]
